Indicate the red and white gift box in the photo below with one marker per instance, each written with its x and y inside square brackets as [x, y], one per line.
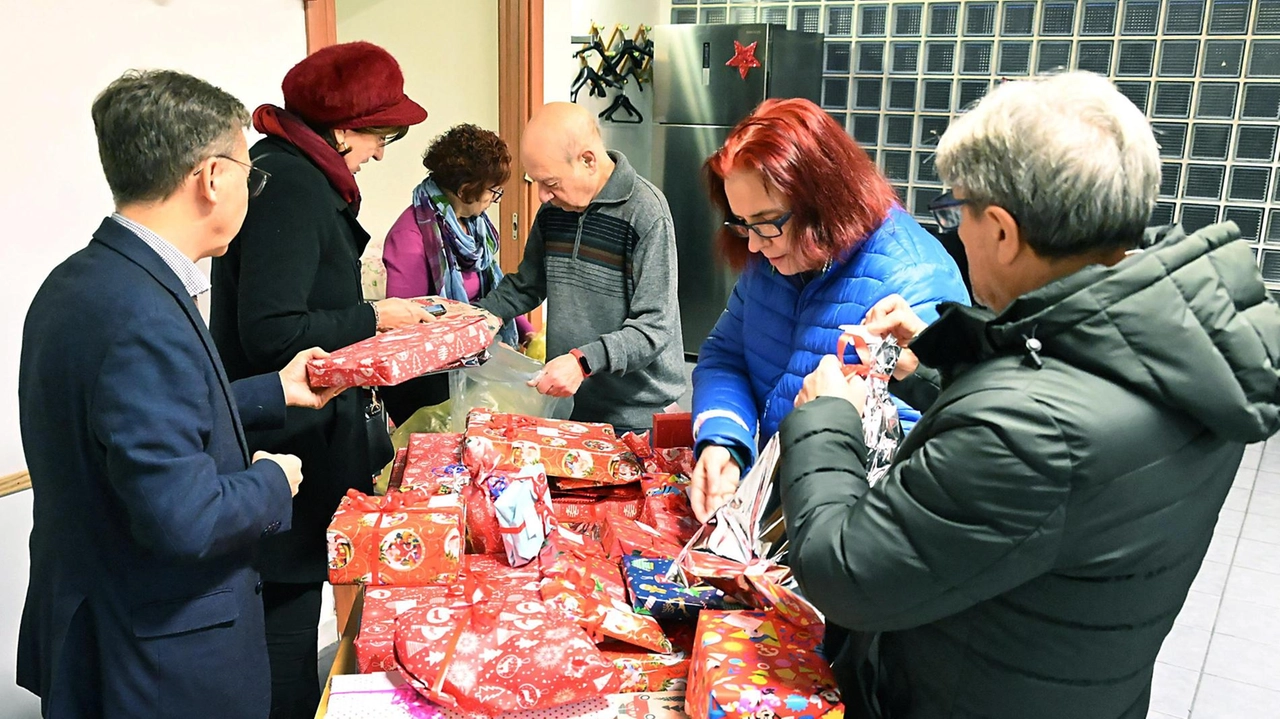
[389, 358]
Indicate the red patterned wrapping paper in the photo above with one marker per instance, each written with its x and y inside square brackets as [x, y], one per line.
[623, 537]
[389, 358]
[500, 655]
[581, 581]
[751, 664]
[403, 539]
[583, 451]
[375, 645]
[587, 510]
[488, 480]
[434, 464]
[642, 671]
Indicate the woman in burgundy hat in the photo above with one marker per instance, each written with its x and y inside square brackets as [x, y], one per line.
[291, 279]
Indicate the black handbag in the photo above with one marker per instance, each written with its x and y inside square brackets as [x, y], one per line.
[378, 435]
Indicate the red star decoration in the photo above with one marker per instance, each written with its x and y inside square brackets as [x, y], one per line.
[744, 58]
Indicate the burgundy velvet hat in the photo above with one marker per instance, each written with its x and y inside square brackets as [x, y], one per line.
[350, 86]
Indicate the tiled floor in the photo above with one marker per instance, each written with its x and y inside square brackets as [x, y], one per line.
[1222, 659]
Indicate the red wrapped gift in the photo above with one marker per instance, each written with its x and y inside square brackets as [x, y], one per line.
[661, 459]
[434, 463]
[389, 358]
[375, 645]
[641, 671]
[751, 664]
[586, 510]
[578, 579]
[624, 537]
[407, 538]
[582, 451]
[500, 655]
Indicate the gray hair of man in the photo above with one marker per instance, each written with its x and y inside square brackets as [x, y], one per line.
[155, 126]
[1072, 159]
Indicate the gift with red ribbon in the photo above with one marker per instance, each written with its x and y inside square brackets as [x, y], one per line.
[500, 655]
[406, 538]
[389, 358]
[580, 454]
[751, 664]
[375, 645]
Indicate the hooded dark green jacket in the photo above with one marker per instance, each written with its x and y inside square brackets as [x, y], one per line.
[1041, 525]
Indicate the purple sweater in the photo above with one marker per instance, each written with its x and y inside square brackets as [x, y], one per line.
[405, 256]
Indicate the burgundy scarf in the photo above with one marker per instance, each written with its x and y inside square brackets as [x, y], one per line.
[276, 122]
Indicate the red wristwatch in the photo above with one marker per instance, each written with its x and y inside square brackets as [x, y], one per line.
[582, 361]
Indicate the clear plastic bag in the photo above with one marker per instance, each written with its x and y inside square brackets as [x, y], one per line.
[501, 384]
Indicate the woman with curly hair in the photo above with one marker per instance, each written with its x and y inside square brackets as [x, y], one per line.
[444, 244]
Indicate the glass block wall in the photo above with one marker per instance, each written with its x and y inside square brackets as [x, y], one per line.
[1207, 73]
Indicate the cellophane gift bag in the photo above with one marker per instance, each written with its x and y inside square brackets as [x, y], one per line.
[406, 538]
[881, 429]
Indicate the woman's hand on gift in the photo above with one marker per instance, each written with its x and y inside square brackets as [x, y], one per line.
[829, 380]
[715, 479]
[396, 312]
[561, 377]
[893, 316]
[298, 391]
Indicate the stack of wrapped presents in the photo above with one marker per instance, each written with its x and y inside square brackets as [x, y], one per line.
[547, 568]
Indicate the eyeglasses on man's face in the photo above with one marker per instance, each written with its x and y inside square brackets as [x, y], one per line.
[767, 229]
[257, 178]
[496, 192]
[948, 210]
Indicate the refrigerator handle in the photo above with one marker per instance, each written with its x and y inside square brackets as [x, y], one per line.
[706, 63]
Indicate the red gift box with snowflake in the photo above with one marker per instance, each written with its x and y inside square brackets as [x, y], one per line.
[403, 539]
[389, 358]
[578, 454]
[375, 644]
[754, 664]
[500, 655]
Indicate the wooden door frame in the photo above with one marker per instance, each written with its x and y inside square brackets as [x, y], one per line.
[520, 41]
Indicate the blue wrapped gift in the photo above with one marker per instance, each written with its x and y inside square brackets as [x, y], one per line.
[652, 595]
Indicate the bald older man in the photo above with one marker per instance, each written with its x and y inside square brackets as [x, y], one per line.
[602, 253]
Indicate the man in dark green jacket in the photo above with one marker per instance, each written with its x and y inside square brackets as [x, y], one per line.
[1040, 527]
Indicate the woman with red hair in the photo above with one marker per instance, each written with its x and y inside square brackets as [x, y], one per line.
[820, 238]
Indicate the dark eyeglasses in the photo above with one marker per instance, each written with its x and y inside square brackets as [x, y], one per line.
[257, 178]
[946, 209]
[497, 193]
[768, 229]
[384, 140]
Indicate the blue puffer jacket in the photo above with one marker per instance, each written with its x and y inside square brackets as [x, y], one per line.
[774, 331]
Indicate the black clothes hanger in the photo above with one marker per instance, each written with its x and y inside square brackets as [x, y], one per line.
[622, 103]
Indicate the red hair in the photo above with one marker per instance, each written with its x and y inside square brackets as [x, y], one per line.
[837, 194]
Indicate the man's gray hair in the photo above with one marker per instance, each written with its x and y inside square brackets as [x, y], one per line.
[1072, 159]
[155, 126]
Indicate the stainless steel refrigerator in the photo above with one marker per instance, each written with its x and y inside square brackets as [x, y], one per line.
[697, 101]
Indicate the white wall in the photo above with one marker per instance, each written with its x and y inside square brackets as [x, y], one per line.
[448, 50]
[564, 19]
[58, 54]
